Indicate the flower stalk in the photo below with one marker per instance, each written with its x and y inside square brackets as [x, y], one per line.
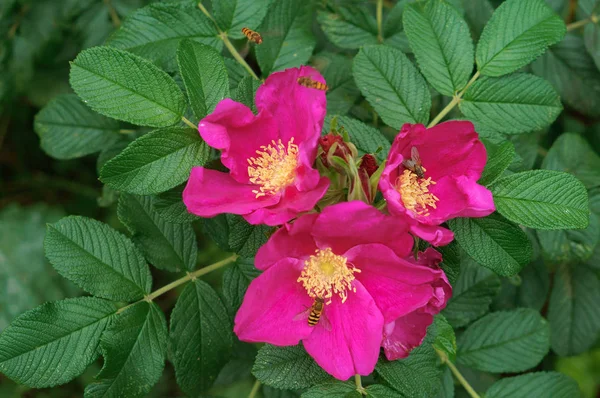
[186, 121]
[576, 25]
[379, 21]
[454, 102]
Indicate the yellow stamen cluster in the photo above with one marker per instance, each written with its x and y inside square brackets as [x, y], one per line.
[415, 192]
[274, 168]
[326, 274]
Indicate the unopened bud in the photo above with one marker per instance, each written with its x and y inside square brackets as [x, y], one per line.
[369, 164]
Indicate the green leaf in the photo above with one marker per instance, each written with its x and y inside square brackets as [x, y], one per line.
[445, 339]
[350, 27]
[539, 384]
[477, 14]
[291, 41]
[379, 391]
[505, 342]
[68, 129]
[472, 294]
[287, 367]
[570, 246]
[236, 73]
[573, 154]
[494, 243]
[55, 342]
[337, 71]
[233, 15]
[233, 233]
[447, 385]
[571, 70]
[167, 246]
[542, 199]
[392, 85]
[513, 104]
[115, 83]
[169, 205]
[236, 280]
[246, 91]
[367, 139]
[156, 162]
[332, 389]
[203, 71]
[499, 157]
[201, 337]
[97, 258]
[164, 26]
[591, 39]
[518, 32]
[450, 261]
[134, 348]
[440, 40]
[573, 313]
[535, 286]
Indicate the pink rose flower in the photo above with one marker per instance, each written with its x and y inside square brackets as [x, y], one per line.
[270, 156]
[355, 259]
[451, 160]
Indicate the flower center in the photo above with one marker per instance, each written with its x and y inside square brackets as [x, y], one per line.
[274, 168]
[326, 274]
[415, 192]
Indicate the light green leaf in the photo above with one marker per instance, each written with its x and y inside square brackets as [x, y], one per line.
[233, 233]
[542, 199]
[97, 258]
[55, 342]
[134, 348]
[513, 104]
[367, 139]
[164, 26]
[499, 157]
[573, 154]
[505, 342]
[115, 83]
[68, 129]
[493, 242]
[350, 27]
[440, 40]
[288, 368]
[169, 205]
[539, 384]
[571, 70]
[233, 15]
[518, 32]
[392, 85]
[337, 71]
[203, 71]
[236, 280]
[472, 294]
[290, 42]
[573, 312]
[167, 246]
[201, 337]
[156, 162]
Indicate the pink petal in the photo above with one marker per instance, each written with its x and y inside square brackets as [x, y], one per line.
[345, 225]
[270, 305]
[398, 286]
[352, 345]
[459, 197]
[299, 110]
[436, 235]
[210, 192]
[404, 334]
[233, 129]
[291, 240]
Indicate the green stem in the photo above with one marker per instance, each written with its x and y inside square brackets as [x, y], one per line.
[113, 14]
[379, 20]
[462, 380]
[454, 102]
[223, 36]
[576, 25]
[255, 389]
[359, 386]
[186, 121]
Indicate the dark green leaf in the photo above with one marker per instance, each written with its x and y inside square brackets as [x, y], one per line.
[236, 73]
[236, 280]
[499, 157]
[572, 153]
[539, 384]
[451, 259]
[570, 246]
[164, 26]
[542, 199]
[573, 312]
[169, 205]
[233, 15]
[477, 14]
[367, 139]
[379, 391]
[287, 367]
[290, 42]
[445, 340]
[591, 39]
[246, 91]
[97, 258]
[392, 85]
[167, 246]
[506, 341]
[447, 385]
[201, 337]
[350, 27]
[69, 129]
[134, 348]
[156, 162]
[440, 40]
[203, 71]
[518, 32]
[337, 71]
[332, 389]
[234, 234]
[494, 243]
[55, 342]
